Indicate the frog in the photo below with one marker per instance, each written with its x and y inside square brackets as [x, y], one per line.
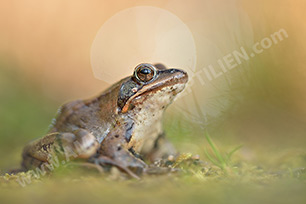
[120, 127]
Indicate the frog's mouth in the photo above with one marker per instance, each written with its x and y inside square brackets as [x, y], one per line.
[173, 80]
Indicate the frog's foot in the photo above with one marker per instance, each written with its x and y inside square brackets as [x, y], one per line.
[104, 160]
[79, 144]
[123, 159]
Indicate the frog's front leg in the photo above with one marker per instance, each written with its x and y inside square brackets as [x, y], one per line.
[114, 151]
[80, 142]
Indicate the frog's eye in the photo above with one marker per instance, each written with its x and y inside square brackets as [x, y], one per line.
[145, 72]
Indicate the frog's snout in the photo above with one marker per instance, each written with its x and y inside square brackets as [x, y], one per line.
[180, 75]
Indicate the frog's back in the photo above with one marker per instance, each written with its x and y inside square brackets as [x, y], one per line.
[67, 118]
[95, 115]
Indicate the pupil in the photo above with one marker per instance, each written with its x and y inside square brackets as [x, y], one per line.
[145, 71]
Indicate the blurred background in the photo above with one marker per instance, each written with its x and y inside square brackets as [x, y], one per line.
[45, 61]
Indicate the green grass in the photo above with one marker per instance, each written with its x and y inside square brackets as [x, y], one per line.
[218, 159]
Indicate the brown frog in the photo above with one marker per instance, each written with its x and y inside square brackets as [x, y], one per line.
[120, 127]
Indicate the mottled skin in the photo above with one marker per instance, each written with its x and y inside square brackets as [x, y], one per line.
[118, 127]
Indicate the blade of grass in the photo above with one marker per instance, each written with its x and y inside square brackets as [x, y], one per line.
[212, 159]
[229, 155]
[215, 150]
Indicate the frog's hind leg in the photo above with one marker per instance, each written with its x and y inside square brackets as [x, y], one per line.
[38, 152]
[79, 144]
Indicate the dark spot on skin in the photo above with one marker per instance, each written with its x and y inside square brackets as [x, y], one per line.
[116, 136]
[119, 148]
[163, 107]
[135, 153]
[45, 147]
[128, 133]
